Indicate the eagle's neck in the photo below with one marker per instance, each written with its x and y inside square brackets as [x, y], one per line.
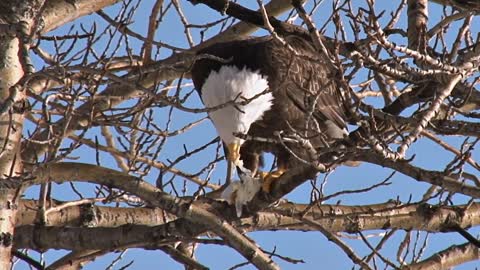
[231, 83]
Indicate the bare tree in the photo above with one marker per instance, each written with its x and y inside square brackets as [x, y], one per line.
[95, 97]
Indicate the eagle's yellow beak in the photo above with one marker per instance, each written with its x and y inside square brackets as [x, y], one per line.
[233, 153]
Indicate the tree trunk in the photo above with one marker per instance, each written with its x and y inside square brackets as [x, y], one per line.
[13, 15]
[417, 24]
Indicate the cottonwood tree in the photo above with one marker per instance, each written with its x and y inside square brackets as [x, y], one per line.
[106, 147]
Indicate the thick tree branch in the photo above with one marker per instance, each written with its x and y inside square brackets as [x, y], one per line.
[333, 218]
[286, 216]
[59, 12]
[352, 219]
[99, 238]
[471, 5]
[91, 215]
[417, 24]
[448, 258]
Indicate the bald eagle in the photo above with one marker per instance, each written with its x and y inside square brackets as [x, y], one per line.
[268, 89]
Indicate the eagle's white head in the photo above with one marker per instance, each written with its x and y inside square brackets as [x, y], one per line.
[232, 84]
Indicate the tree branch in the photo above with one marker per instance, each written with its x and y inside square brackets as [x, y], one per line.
[91, 215]
[286, 216]
[448, 258]
[436, 178]
[471, 5]
[59, 12]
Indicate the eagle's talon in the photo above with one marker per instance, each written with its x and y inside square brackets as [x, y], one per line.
[269, 177]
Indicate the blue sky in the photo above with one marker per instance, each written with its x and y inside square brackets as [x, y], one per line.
[312, 247]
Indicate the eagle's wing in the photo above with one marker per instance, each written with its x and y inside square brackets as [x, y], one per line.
[310, 83]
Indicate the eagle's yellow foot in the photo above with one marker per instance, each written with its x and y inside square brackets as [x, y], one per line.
[269, 177]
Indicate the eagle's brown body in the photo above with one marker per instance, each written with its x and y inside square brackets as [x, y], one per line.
[306, 99]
